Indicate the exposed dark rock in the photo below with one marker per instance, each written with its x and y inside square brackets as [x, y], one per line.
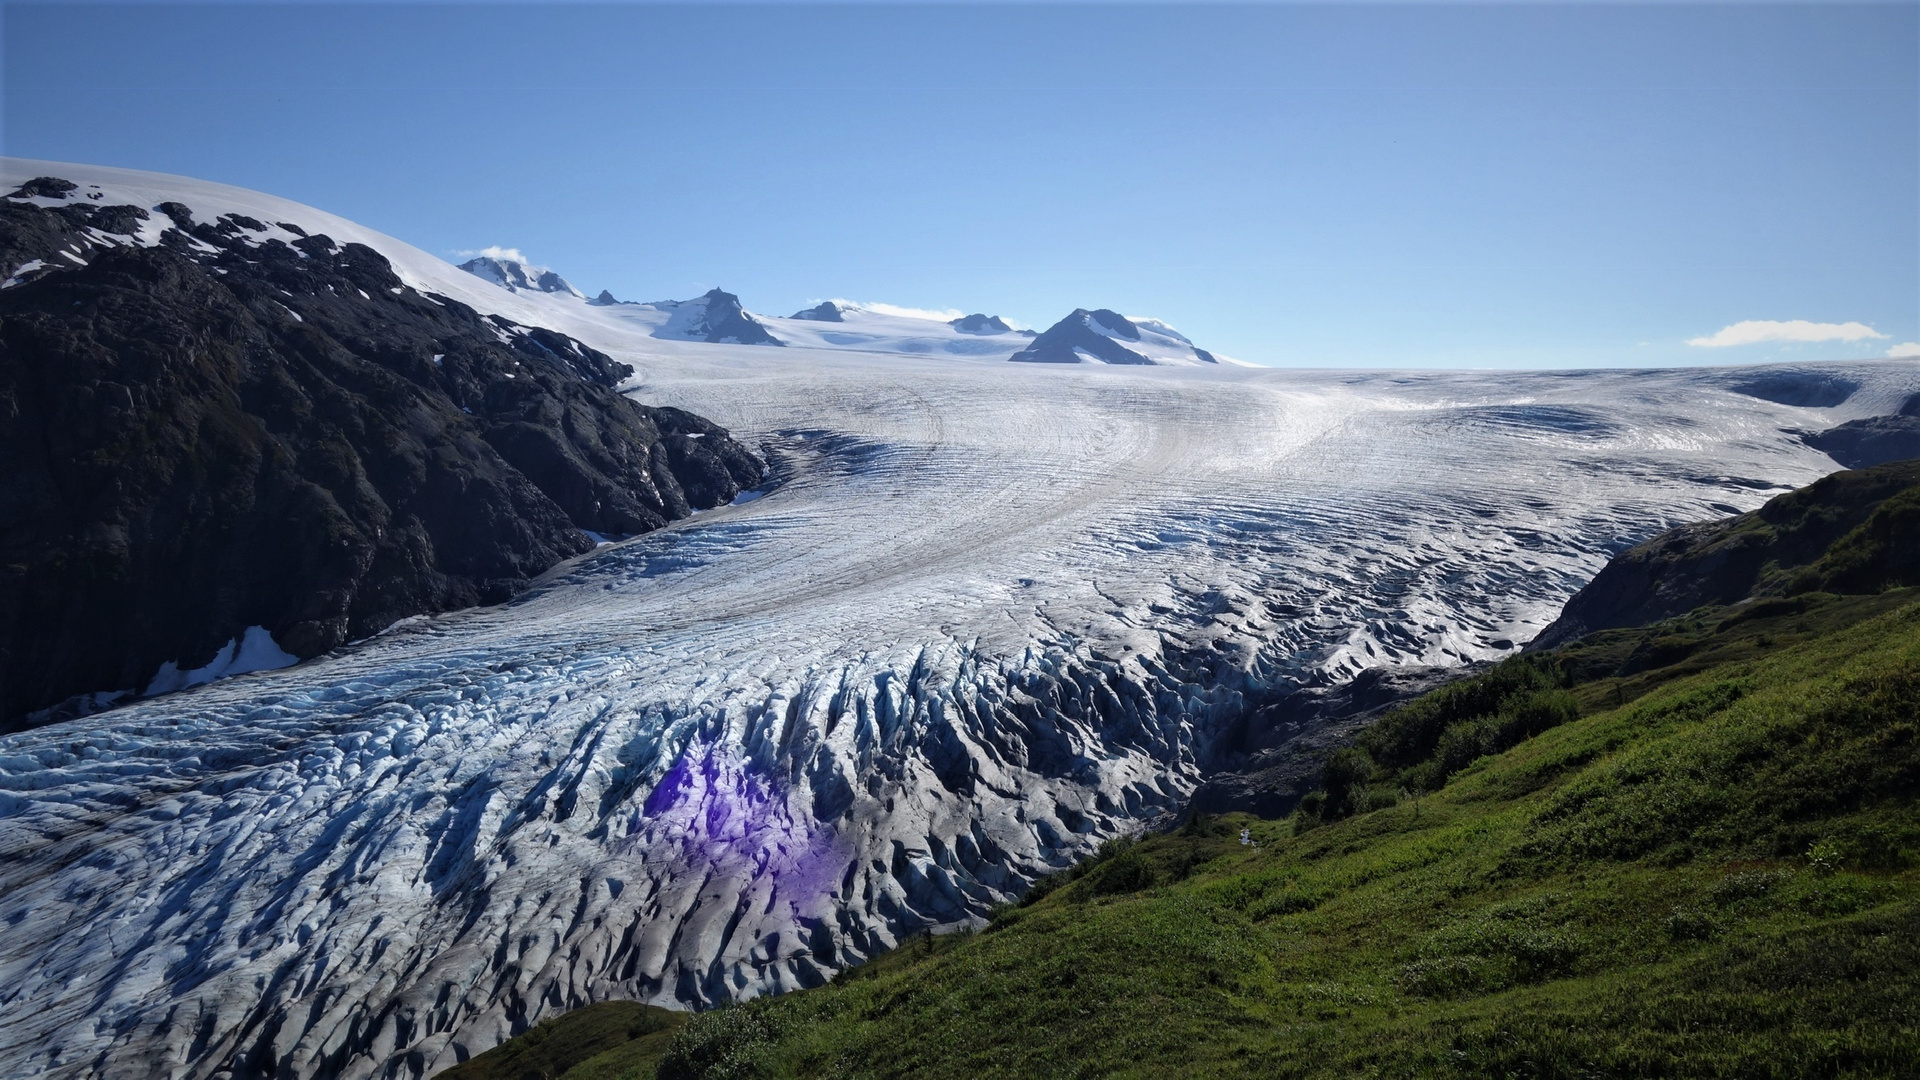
[981, 324]
[605, 299]
[1282, 746]
[1871, 440]
[1780, 549]
[725, 321]
[518, 276]
[1911, 407]
[45, 187]
[195, 442]
[1063, 342]
[824, 311]
[1804, 389]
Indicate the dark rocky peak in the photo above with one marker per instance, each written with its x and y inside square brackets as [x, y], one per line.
[181, 214]
[37, 241]
[605, 299]
[227, 431]
[1108, 337]
[516, 276]
[1802, 389]
[1111, 323]
[824, 311]
[720, 319]
[1074, 338]
[981, 324]
[45, 187]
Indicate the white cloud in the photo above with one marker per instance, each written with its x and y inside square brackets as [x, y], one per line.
[1756, 331]
[1905, 348]
[903, 312]
[495, 251]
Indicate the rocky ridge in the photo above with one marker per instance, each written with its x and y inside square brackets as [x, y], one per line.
[824, 311]
[222, 426]
[715, 317]
[1107, 337]
[517, 276]
[1784, 548]
[1873, 440]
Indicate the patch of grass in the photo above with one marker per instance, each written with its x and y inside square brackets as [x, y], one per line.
[1712, 875]
[608, 1040]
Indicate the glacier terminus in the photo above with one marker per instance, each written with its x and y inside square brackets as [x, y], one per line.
[981, 616]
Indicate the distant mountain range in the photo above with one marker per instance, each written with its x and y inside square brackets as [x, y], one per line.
[1096, 336]
[989, 615]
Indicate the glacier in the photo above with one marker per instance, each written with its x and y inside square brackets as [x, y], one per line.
[985, 616]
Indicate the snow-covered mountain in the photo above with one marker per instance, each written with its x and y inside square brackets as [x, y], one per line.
[1106, 337]
[715, 317]
[517, 276]
[985, 325]
[824, 311]
[844, 326]
[837, 325]
[986, 616]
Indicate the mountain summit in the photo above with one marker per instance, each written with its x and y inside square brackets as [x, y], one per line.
[983, 325]
[1107, 337]
[715, 317]
[517, 276]
[824, 311]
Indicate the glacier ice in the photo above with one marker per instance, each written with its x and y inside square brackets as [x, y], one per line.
[986, 616]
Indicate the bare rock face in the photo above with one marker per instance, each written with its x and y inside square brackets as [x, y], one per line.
[1273, 754]
[239, 426]
[724, 320]
[1108, 337]
[1871, 440]
[824, 311]
[515, 276]
[1777, 549]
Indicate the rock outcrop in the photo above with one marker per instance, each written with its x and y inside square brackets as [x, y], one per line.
[1789, 545]
[981, 324]
[1107, 337]
[1872, 440]
[516, 276]
[824, 311]
[240, 426]
[715, 317]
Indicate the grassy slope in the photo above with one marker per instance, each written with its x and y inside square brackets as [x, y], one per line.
[1684, 849]
[610, 1040]
[1706, 874]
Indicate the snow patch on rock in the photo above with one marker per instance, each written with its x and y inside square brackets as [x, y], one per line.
[253, 650]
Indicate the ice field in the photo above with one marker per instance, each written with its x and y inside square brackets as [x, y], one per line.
[986, 615]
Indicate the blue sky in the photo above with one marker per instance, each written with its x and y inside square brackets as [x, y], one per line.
[1450, 185]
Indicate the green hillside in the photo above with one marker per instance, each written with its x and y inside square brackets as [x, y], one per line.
[609, 1040]
[1686, 849]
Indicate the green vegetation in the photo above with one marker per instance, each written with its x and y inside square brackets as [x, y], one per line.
[1711, 878]
[1685, 849]
[611, 1040]
[1699, 869]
